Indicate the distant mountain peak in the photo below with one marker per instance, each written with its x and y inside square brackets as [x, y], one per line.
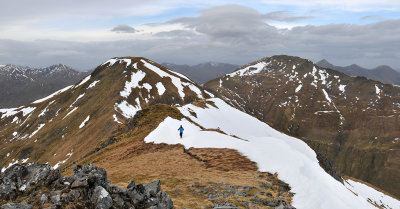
[20, 85]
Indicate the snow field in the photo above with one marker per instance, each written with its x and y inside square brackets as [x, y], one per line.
[291, 158]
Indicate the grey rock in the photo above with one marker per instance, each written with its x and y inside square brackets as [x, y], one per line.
[246, 188]
[89, 175]
[75, 193]
[265, 185]
[116, 189]
[88, 187]
[153, 188]
[80, 183]
[118, 200]
[55, 197]
[131, 185]
[137, 195]
[166, 201]
[16, 206]
[101, 198]
[284, 205]
[23, 177]
[51, 207]
[44, 199]
[241, 193]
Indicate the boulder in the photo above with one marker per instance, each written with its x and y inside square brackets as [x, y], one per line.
[165, 201]
[87, 188]
[16, 206]
[101, 198]
[153, 188]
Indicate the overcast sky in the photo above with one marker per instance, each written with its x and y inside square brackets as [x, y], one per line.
[84, 34]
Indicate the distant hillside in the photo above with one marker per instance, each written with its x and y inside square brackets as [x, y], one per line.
[353, 121]
[383, 73]
[203, 72]
[22, 85]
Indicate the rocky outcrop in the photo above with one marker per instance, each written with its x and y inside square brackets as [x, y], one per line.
[328, 167]
[39, 185]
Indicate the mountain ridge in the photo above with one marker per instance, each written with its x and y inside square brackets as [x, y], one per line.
[21, 85]
[326, 109]
[382, 73]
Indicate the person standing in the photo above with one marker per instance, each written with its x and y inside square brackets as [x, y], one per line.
[180, 129]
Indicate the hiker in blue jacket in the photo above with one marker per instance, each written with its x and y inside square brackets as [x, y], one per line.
[180, 129]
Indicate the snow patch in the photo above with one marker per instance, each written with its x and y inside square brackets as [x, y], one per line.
[27, 110]
[327, 96]
[70, 112]
[175, 80]
[299, 87]
[116, 119]
[209, 93]
[160, 88]
[62, 162]
[83, 81]
[79, 97]
[147, 86]
[84, 122]
[93, 84]
[13, 162]
[37, 130]
[134, 83]
[342, 88]
[8, 112]
[378, 91]
[110, 62]
[52, 95]
[250, 70]
[127, 110]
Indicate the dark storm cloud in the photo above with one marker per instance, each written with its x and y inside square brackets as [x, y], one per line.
[123, 29]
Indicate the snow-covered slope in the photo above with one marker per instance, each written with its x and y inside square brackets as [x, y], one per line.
[291, 158]
[372, 195]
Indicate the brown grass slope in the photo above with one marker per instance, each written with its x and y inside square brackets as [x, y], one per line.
[358, 130]
[181, 174]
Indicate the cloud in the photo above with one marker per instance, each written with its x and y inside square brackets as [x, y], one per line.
[371, 17]
[233, 34]
[123, 29]
[284, 16]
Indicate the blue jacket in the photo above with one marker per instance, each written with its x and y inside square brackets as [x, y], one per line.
[180, 129]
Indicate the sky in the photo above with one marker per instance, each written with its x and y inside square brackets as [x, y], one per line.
[84, 34]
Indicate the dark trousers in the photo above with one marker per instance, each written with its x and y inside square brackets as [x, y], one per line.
[180, 134]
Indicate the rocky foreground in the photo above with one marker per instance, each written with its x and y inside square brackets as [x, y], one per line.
[36, 185]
